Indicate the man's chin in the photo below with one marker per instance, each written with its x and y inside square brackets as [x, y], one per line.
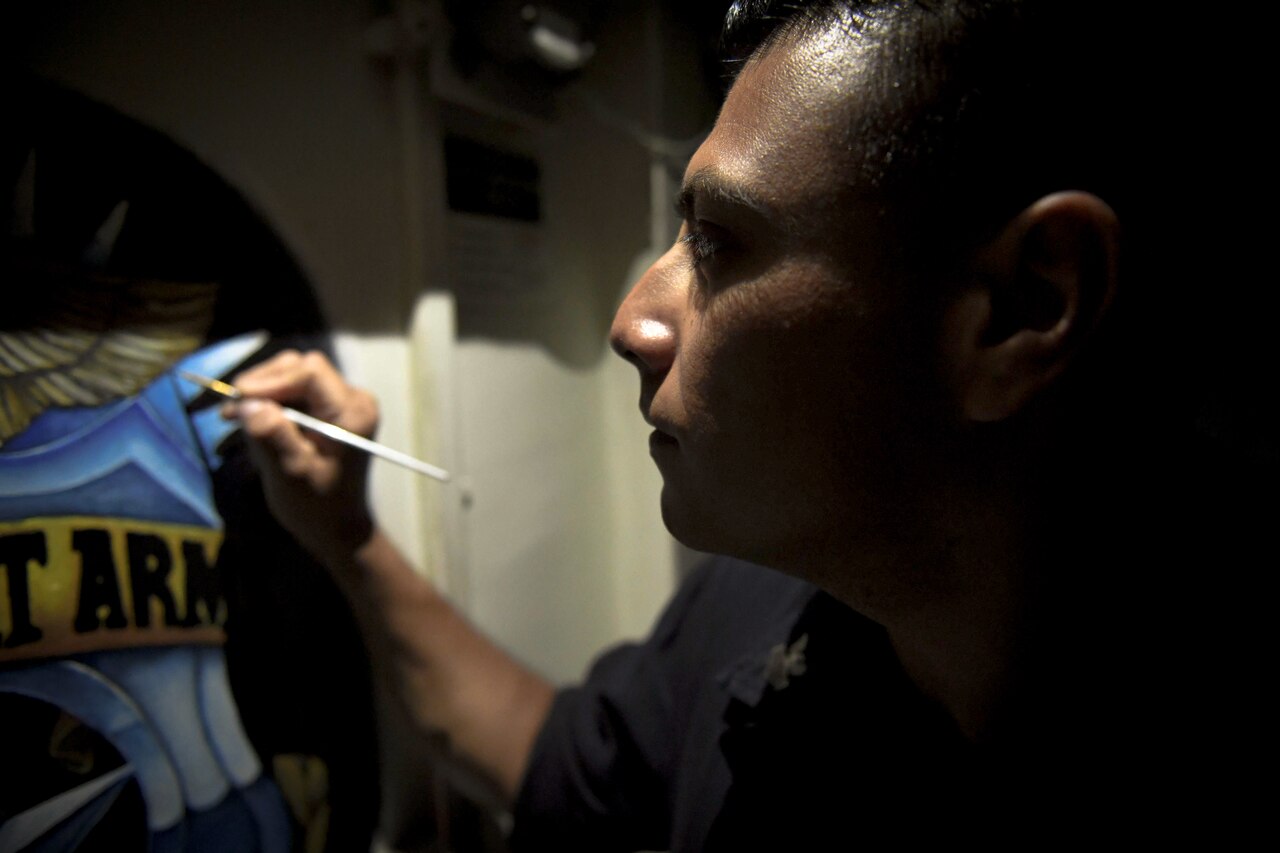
[692, 526]
[682, 524]
[695, 527]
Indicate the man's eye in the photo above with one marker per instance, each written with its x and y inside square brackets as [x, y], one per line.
[702, 246]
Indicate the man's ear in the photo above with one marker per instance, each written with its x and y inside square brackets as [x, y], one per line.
[1036, 291]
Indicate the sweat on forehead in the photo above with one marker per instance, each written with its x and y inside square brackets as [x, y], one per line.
[961, 112]
[776, 152]
[846, 72]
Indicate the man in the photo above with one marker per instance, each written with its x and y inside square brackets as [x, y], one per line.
[892, 355]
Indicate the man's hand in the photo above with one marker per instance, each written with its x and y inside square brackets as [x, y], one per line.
[315, 486]
[449, 677]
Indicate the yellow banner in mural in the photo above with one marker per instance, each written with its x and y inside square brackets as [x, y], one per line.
[81, 583]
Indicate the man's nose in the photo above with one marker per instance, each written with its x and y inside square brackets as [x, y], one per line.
[644, 329]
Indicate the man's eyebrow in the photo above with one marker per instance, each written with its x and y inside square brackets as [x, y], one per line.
[708, 183]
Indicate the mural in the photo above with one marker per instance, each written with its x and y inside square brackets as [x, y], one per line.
[108, 538]
[168, 656]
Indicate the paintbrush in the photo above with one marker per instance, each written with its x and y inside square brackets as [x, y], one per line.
[326, 429]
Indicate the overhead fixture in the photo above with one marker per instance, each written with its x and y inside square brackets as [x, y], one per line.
[555, 40]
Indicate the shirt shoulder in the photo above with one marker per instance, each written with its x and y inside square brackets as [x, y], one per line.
[624, 754]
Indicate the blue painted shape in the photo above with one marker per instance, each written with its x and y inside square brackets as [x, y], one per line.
[71, 830]
[54, 424]
[104, 707]
[271, 814]
[162, 681]
[217, 360]
[229, 825]
[150, 459]
[221, 720]
[129, 486]
[131, 437]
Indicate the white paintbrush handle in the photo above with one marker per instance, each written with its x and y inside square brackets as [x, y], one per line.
[360, 442]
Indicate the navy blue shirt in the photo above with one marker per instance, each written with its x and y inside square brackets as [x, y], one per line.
[760, 712]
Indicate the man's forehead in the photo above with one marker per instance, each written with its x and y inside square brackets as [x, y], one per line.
[781, 140]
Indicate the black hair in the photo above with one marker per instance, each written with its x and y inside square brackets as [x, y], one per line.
[977, 107]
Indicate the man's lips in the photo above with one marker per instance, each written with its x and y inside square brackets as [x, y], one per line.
[662, 435]
[658, 439]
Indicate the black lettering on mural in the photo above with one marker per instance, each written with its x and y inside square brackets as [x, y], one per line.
[99, 588]
[149, 565]
[203, 593]
[16, 551]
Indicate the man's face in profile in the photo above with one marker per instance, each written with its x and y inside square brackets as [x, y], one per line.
[776, 340]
